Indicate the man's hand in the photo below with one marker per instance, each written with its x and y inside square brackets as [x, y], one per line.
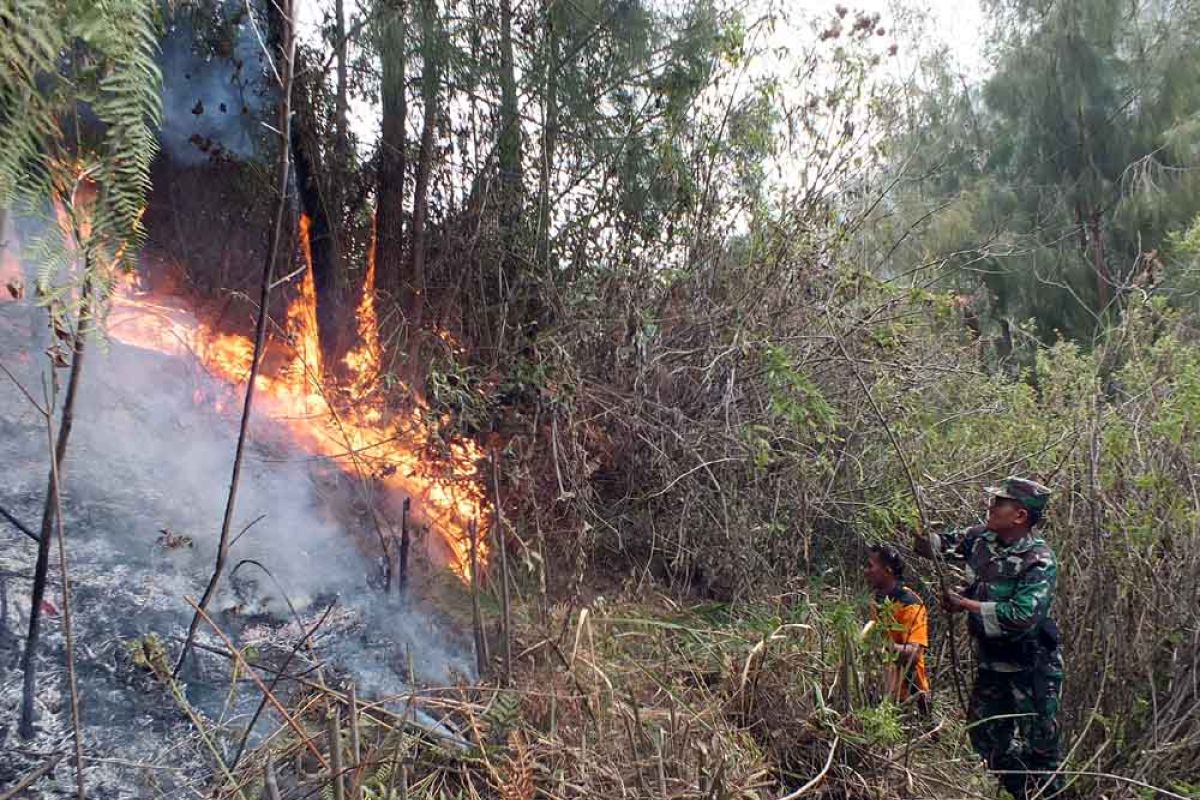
[953, 602]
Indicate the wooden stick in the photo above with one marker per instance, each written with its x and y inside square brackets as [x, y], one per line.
[922, 521]
[355, 747]
[32, 777]
[68, 626]
[405, 541]
[83, 330]
[333, 718]
[505, 601]
[288, 57]
[16, 523]
[481, 655]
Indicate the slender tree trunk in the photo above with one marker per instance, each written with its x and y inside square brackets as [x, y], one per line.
[1099, 264]
[389, 231]
[342, 156]
[549, 143]
[50, 508]
[509, 157]
[430, 81]
[341, 107]
[287, 47]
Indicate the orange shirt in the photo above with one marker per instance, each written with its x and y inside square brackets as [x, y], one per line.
[906, 621]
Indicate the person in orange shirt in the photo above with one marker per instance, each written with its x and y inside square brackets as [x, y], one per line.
[906, 622]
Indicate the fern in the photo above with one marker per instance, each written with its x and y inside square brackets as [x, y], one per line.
[56, 57]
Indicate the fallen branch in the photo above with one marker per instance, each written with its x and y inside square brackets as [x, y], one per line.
[16, 523]
[32, 777]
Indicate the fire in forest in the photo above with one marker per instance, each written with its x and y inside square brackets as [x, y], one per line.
[343, 419]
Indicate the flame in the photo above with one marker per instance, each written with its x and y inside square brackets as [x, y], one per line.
[345, 420]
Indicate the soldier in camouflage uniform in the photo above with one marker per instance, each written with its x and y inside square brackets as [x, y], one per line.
[1012, 573]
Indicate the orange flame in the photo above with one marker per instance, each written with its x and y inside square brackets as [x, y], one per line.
[346, 422]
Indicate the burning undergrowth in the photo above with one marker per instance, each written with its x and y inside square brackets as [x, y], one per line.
[145, 481]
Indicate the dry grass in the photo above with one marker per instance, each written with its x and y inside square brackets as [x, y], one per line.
[631, 702]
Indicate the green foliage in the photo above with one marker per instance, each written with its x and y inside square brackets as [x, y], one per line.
[881, 724]
[795, 399]
[1047, 182]
[79, 104]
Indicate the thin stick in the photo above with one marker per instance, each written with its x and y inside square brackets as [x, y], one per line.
[506, 603]
[334, 726]
[16, 523]
[68, 627]
[32, 777]
[355, 747]
[481, 654]
[237, 656]
[402, 582]
[288, 57]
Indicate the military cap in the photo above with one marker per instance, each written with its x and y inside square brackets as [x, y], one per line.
[1031, 494]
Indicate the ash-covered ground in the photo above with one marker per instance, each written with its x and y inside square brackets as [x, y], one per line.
[145, 484]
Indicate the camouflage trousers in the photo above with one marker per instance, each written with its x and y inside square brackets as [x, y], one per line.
[1005, 703]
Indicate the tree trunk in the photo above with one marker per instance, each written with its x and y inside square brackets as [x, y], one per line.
[509, 157]
[341, 107]
[414, 294]
[389, 221]
[1099, 263]
[321, 204]
[510, 132]
[549, 143]
[50, 509]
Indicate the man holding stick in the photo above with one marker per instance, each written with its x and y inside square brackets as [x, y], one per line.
[1012, 575]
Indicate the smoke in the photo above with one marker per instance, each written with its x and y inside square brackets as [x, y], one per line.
[215, 87]
[146, 480]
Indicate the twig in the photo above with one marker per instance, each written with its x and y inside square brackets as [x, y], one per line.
[334, 727]
[288, 57]
[405, 541]
[249, 525]
[32, 777]
[505, 600]
[68, 627]
[16, 523]
[481, 655]
[355, 746]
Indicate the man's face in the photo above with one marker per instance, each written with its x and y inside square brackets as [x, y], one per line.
[1006, 515]
[878, 576]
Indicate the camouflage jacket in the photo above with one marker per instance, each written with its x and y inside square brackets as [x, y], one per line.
[1015, 586]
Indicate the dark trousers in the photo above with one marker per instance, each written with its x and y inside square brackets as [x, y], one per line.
[1003, 703]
